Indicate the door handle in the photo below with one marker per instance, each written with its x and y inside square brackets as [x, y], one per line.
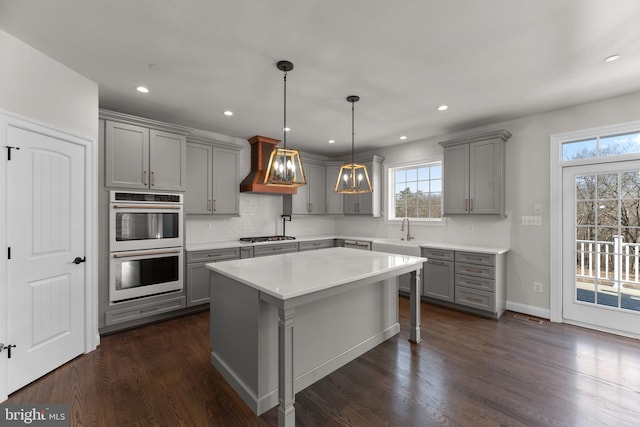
[78, 260]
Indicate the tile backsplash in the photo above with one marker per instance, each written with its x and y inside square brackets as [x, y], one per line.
[259, 216]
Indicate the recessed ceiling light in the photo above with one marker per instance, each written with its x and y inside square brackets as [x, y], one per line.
[443, 107]
[403, 137]
[154, 67]
[612, 58]
[228, 113]
[332, 141]
[286, 129]
[142, 89]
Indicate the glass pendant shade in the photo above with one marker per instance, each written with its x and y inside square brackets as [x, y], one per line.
[353, 179]
[285, 166]
[285, 169]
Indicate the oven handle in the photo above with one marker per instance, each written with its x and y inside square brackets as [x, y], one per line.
[139, 253]
[146, 207]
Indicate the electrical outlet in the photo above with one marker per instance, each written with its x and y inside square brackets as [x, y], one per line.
[537, 287]
[469, 227]
[207, 226]
[531, 220]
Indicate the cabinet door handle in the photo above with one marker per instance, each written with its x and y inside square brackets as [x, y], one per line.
[471, 205]
[436, 263]
[145, 179]
[209, 205]
[214, 205]
[466, 204]
[310, 207]
[153, 178]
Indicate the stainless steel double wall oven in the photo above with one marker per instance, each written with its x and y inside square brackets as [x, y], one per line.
[146, 240]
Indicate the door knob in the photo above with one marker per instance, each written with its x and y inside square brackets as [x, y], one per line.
[79, 260]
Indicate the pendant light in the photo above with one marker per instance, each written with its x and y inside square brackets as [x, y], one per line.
[285, 166]
[353, 177]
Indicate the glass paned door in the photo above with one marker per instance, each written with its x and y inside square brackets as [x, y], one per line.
[601, 241]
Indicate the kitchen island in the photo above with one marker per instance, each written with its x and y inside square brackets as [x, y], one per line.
[282, 322]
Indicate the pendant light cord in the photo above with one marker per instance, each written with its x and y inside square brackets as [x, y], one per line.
[352, 129]
[284, 128]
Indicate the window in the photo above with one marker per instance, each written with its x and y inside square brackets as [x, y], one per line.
[416, 191]
[602, 146]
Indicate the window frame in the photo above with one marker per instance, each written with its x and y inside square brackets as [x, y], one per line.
[389, 189]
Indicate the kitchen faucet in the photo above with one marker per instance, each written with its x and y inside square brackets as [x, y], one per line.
[285, 218]
[409, 236]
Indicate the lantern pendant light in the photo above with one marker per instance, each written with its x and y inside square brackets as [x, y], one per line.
[353, 177]
[285, 166]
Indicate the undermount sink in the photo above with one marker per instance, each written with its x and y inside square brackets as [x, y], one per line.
[401, 247]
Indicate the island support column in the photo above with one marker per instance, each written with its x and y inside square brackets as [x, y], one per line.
[414, 302]
[286, 394]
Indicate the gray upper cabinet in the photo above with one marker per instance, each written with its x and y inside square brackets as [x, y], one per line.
[334, 200]
[143, 154]
[367, 203]
[473, 174]
[312, 198]
[212, 177]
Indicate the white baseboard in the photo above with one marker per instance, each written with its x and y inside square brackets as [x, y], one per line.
[529, 309]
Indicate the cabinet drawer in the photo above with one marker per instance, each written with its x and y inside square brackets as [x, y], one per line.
[482, 300]
[315, 244]
[475, 258]
[281, 248]
[434, 253]
[213, 255]
[476, 282]
[475, 270]
[144, 310]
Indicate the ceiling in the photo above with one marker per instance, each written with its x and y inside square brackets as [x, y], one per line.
[489, 61]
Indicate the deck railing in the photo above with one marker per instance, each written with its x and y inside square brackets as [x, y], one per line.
[615, 261]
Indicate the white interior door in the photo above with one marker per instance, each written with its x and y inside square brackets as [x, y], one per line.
[45, 233]
[601, 246]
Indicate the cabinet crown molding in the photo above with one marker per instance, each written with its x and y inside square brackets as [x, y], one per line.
[141, 121]
[214, 142]
[503, 134]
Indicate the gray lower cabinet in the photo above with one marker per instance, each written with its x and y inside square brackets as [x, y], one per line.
[197, 274]
[316, 244]
[473, 281]
[275, 249]
[141, 309]
[438, 281]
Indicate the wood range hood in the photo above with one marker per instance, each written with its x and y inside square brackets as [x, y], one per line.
[261, 148]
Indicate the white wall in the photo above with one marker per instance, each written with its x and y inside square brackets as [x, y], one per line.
[40, 88]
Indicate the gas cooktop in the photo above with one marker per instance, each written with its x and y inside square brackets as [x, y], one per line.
[265, 239]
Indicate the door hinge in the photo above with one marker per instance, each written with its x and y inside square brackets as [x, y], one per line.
[8, 347]
[9, 148]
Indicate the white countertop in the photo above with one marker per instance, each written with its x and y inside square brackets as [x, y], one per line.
[296, 274]
[415, 243]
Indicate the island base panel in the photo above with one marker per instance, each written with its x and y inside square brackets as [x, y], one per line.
[327, 334]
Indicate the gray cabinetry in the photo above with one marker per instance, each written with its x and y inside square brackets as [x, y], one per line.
[197, 277]
[473, 174]
[312, 198]
[316, 244]
[143, 154]
[334, 200]
[275, 249]
[439, 274]
[473, 281]
[212, 177]
[367, 203]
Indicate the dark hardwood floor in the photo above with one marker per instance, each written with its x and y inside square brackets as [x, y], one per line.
[468, 371]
